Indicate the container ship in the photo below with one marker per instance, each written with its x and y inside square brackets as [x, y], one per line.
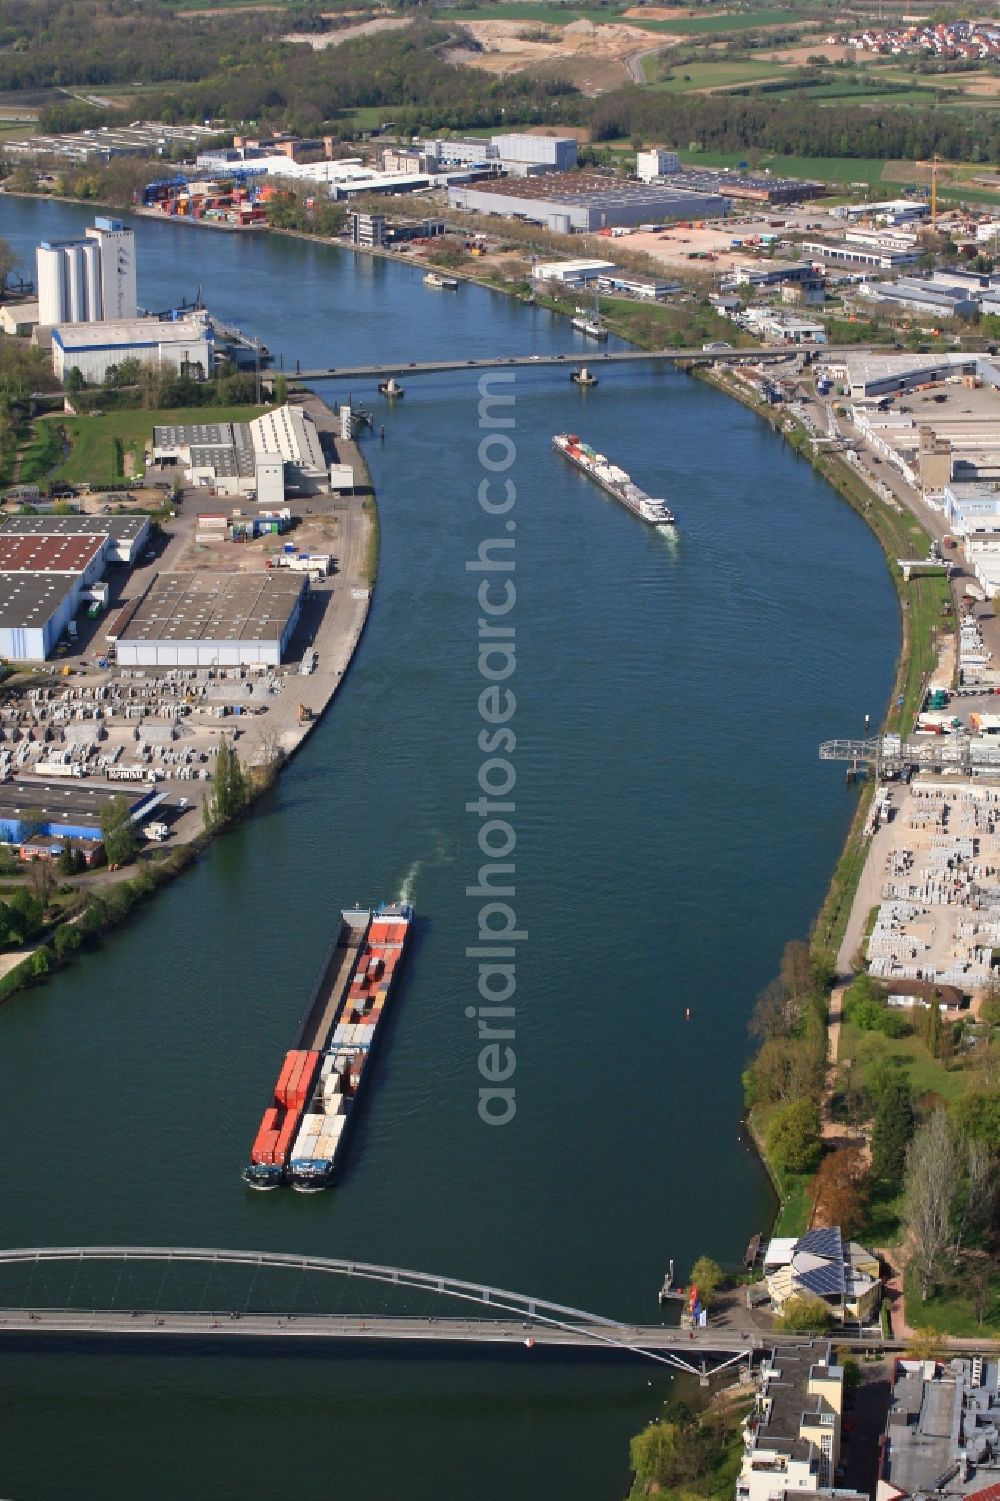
[614, 480]
[305, 1126]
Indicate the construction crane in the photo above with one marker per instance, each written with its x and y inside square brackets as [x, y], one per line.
[935, 162]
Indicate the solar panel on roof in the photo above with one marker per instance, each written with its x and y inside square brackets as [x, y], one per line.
[825, 1242]
[825, 1281]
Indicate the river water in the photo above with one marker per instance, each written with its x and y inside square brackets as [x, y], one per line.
[674, 827]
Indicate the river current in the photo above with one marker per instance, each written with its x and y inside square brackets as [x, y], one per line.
[673, 825]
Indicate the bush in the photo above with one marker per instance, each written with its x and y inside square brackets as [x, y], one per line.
[803, 1315]
[66, 940]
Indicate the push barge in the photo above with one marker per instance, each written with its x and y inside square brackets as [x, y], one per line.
[304, 1130]
[615, 481]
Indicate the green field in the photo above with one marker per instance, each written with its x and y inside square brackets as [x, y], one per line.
[98, 443]
[708, 75]
[833, 169]
[546, 15]
[749, 20]
[927, 1075]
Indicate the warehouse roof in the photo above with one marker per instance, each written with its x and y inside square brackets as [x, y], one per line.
[289, 433]
[30, 599]
[580, 187]
[48, 553]
[71, 802]
[215, 607]
[122, 528]
[127, 332]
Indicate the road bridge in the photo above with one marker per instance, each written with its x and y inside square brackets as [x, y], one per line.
[761, 354]
[515, 1319]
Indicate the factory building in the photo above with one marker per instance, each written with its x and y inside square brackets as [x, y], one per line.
[49, 567]
[523, 155]
[88, 280]
[213, 620]
[185, 344]
[857, 257]
[655, 163]
[125, 535]
[143, 139]
[871, 377]
[583, 202]
[920, 297]
[259, 460]
[573, 273]
[63, 810]
[35, 610]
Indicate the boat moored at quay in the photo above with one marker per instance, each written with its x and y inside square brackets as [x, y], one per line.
[303, 1131]
[617, 482]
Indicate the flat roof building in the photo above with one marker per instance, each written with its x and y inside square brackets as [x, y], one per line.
[185, 344]
[859, 257]
[792, 1436]
[584, 201]
[35, 609]
[126, 535]
[941, 1435]
[572, 273]
[49, 554]
[66, 810]
[213, 620]
[259, 459]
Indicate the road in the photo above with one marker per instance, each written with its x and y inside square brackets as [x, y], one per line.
[639, 1337]
[761, 352]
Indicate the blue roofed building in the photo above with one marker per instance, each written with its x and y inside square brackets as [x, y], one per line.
[822, 1264]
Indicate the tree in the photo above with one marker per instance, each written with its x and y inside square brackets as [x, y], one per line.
[280, 390]
[893, 1131]
[66, 940]
[121, 842]
[804, 1315]
[8, 260]
[707, 1276]
[74, 381]
[793, 1139]
[228, 796]
[932, 1167]
[33, 821]
[42, 881]
[840, 1191]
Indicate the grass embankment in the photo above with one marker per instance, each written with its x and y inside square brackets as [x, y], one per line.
[99, 443]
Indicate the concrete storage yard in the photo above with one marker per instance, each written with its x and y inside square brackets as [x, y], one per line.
[207, 625]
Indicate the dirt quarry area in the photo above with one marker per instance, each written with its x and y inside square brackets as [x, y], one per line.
[592, 57]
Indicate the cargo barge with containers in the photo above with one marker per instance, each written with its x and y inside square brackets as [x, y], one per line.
[615, 481]
[304, 1130]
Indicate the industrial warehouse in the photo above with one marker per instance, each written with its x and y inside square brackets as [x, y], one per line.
[262, 459]
[585, 201]
[210, 620]
[50, 568]
[61, 810]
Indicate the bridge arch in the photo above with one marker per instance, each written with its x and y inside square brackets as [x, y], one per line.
[532, 1310]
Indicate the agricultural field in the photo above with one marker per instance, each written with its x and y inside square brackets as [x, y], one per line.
[692, 77]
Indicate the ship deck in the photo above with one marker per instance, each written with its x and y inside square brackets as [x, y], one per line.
[331, 987]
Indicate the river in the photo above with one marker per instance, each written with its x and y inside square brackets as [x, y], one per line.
[674, 827]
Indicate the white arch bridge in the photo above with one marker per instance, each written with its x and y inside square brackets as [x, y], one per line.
[119, 1308]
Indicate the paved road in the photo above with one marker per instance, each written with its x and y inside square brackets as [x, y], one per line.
[713, 1344]
[598, 357]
